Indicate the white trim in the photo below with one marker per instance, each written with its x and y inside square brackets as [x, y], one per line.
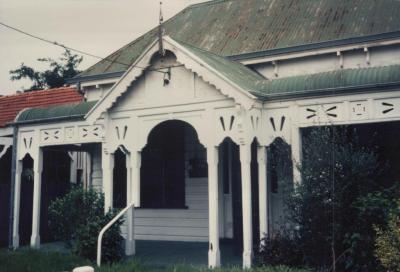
[190, 61]
[6, 141]
[7, 131]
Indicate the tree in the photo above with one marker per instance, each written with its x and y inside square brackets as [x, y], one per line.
[59, 70]
[339, 201]
[388, 242]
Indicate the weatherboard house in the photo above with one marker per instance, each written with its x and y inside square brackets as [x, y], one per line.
[179, 124]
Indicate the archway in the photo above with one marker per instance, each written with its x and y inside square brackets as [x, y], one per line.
[172, 154]
[280, 178]
[119, 180]
[231, 200]
[26, 198]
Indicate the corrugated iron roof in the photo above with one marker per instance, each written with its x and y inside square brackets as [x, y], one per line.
[242, 76]
[42, 114]
[323, 82]
[11, 105]
[232, 27]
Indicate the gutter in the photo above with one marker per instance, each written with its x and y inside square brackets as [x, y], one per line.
[329, 91]
[313, 46]
[12, 187]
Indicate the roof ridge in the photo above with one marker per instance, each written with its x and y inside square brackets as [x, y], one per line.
[206, 3]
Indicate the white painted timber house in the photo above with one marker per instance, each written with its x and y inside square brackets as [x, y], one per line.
[191, 114]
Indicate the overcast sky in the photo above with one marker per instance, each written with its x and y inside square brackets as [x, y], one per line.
[94, 26]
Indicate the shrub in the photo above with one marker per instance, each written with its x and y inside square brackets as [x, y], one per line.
[388, 242]
[281, 249]
[77, 219]
[339, 200]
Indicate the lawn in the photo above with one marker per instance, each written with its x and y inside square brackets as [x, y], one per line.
[39, 261]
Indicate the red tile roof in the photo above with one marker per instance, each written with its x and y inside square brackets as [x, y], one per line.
[11, 105]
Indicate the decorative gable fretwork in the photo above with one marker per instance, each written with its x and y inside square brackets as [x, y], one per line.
[387, 108]
[71, 134]
[27, 143]
[350, 111]
[277, 124]
[238, 124]
[321, 113]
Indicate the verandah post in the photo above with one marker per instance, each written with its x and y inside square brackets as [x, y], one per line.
[213, 251]
[245, 160]
[37, 187]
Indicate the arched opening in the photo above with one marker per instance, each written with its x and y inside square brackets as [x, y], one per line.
[172, 155]
[55, 183]
[231, 203]
[174, 195]
[231, 217]
[280, 179]
[26, 198]
[119, 180]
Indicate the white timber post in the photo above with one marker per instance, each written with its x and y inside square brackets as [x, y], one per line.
[214, 255]
[245, 160]
[136, 162]
[263, 190]
[296, 153]
[37, 187]
[107, 161]
[130, 241]
[17, 201]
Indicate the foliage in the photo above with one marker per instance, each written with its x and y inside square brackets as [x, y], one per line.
[77, 219]
[59, 70]
[281, 249]
[388, 242]
[338, 201]
[34, 260]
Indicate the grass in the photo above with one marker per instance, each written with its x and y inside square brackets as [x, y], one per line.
[39, 261]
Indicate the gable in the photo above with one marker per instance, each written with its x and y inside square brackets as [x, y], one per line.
[224, 81]
[150, 90]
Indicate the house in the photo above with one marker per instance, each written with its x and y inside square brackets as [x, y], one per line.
[10, 106]
[187, 112]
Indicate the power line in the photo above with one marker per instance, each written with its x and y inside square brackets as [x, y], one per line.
[70, 48]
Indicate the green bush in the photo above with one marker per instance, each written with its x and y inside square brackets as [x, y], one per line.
[388, 242]
[281, 249]
[77, 219]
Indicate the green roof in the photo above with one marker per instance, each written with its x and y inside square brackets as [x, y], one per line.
[236, 72]
[345, 79]
[69, 111]
[323, 82]
[233, 27]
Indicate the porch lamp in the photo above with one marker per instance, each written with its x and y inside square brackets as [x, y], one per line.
[167, 76]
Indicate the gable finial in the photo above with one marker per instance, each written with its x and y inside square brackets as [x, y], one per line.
[161, 32]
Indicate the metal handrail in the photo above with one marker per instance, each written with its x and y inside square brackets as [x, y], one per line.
[106, 227]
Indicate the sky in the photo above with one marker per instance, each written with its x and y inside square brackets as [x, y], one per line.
[99, 27]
